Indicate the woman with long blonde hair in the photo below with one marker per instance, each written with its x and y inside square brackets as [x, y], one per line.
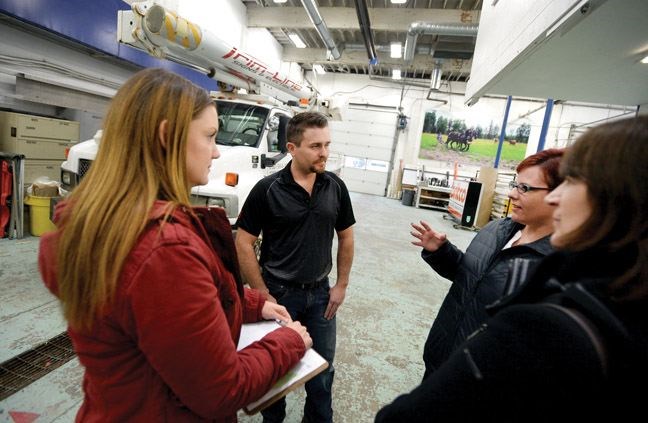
[150, 286]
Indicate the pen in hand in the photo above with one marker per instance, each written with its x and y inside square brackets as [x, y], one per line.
[297, 327]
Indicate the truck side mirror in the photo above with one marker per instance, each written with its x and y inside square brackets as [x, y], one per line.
[282, 133]
[273, 123]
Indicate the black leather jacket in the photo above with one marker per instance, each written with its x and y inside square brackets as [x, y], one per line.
[478, 279]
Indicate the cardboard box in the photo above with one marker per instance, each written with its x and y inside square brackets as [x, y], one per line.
[39, 190]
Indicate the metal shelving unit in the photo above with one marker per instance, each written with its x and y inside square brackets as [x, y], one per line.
[501, 204]
[432, 197]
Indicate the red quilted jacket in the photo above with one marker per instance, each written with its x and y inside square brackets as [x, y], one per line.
[165, 350]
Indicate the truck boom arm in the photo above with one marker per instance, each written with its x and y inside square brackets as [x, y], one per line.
[163, 34]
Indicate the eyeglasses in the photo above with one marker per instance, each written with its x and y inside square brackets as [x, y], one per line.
[524, 188]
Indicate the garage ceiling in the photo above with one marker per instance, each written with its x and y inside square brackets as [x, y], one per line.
[388, 23]
[593, 54]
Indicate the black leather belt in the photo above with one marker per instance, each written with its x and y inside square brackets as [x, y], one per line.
[308, 286]
[303, 286]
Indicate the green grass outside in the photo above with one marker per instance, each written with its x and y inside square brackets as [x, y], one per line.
[429, 141]
[480, 148]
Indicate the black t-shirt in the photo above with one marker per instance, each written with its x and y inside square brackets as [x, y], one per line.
[297, 228]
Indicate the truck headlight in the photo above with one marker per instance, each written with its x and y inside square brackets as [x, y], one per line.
[227, 202]
[216, 202]
[66, 178]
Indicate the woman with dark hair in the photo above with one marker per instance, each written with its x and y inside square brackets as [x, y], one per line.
[150, 286]
[479, 276]
[572, 342]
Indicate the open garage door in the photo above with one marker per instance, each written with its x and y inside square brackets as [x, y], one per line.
[365, 137]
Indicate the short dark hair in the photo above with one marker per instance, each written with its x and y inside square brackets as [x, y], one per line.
[611, 160]
[302, 121]
[549, 163]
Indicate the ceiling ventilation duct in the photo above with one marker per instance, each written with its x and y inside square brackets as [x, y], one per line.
[320, 26]
[418, 28]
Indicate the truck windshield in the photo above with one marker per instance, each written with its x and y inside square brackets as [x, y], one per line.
[239, 123]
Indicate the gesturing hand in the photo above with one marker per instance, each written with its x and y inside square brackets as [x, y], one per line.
[427, 237]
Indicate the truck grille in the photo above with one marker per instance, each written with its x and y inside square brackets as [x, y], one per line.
[84, 166]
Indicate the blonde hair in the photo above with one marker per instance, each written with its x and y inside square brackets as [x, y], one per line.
[109, 209]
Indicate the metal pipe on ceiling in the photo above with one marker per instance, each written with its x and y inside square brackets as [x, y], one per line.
[354, 46]
[317, 20]
[435, 77]
[418, 28]
[365, 27]
[403, 81]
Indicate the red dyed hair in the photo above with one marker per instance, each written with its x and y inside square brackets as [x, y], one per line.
[549, 162]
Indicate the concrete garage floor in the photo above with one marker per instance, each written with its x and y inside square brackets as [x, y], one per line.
[391, 302]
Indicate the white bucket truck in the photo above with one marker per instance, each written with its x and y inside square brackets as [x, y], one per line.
[252, 128]
[252, 143]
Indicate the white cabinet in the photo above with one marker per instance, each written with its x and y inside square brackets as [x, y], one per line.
[37, 137]
[43, 141]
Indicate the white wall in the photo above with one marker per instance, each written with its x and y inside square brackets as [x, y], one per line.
[227, 19]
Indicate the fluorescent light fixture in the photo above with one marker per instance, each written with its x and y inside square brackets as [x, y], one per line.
[398, 1]
[280, 1]
[297, 41]
[644, 60]
[396, 74]
[319, 69]
[396, 50]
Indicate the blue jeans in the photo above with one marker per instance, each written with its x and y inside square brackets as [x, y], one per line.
[308, 307]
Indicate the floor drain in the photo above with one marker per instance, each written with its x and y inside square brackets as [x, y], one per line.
[32, 365]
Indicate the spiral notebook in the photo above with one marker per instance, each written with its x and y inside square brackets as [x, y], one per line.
[308, 367]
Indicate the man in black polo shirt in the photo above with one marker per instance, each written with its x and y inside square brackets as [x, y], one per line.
[298, 209]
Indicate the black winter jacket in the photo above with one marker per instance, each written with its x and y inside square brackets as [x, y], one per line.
[478, 279]
[531, 361]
